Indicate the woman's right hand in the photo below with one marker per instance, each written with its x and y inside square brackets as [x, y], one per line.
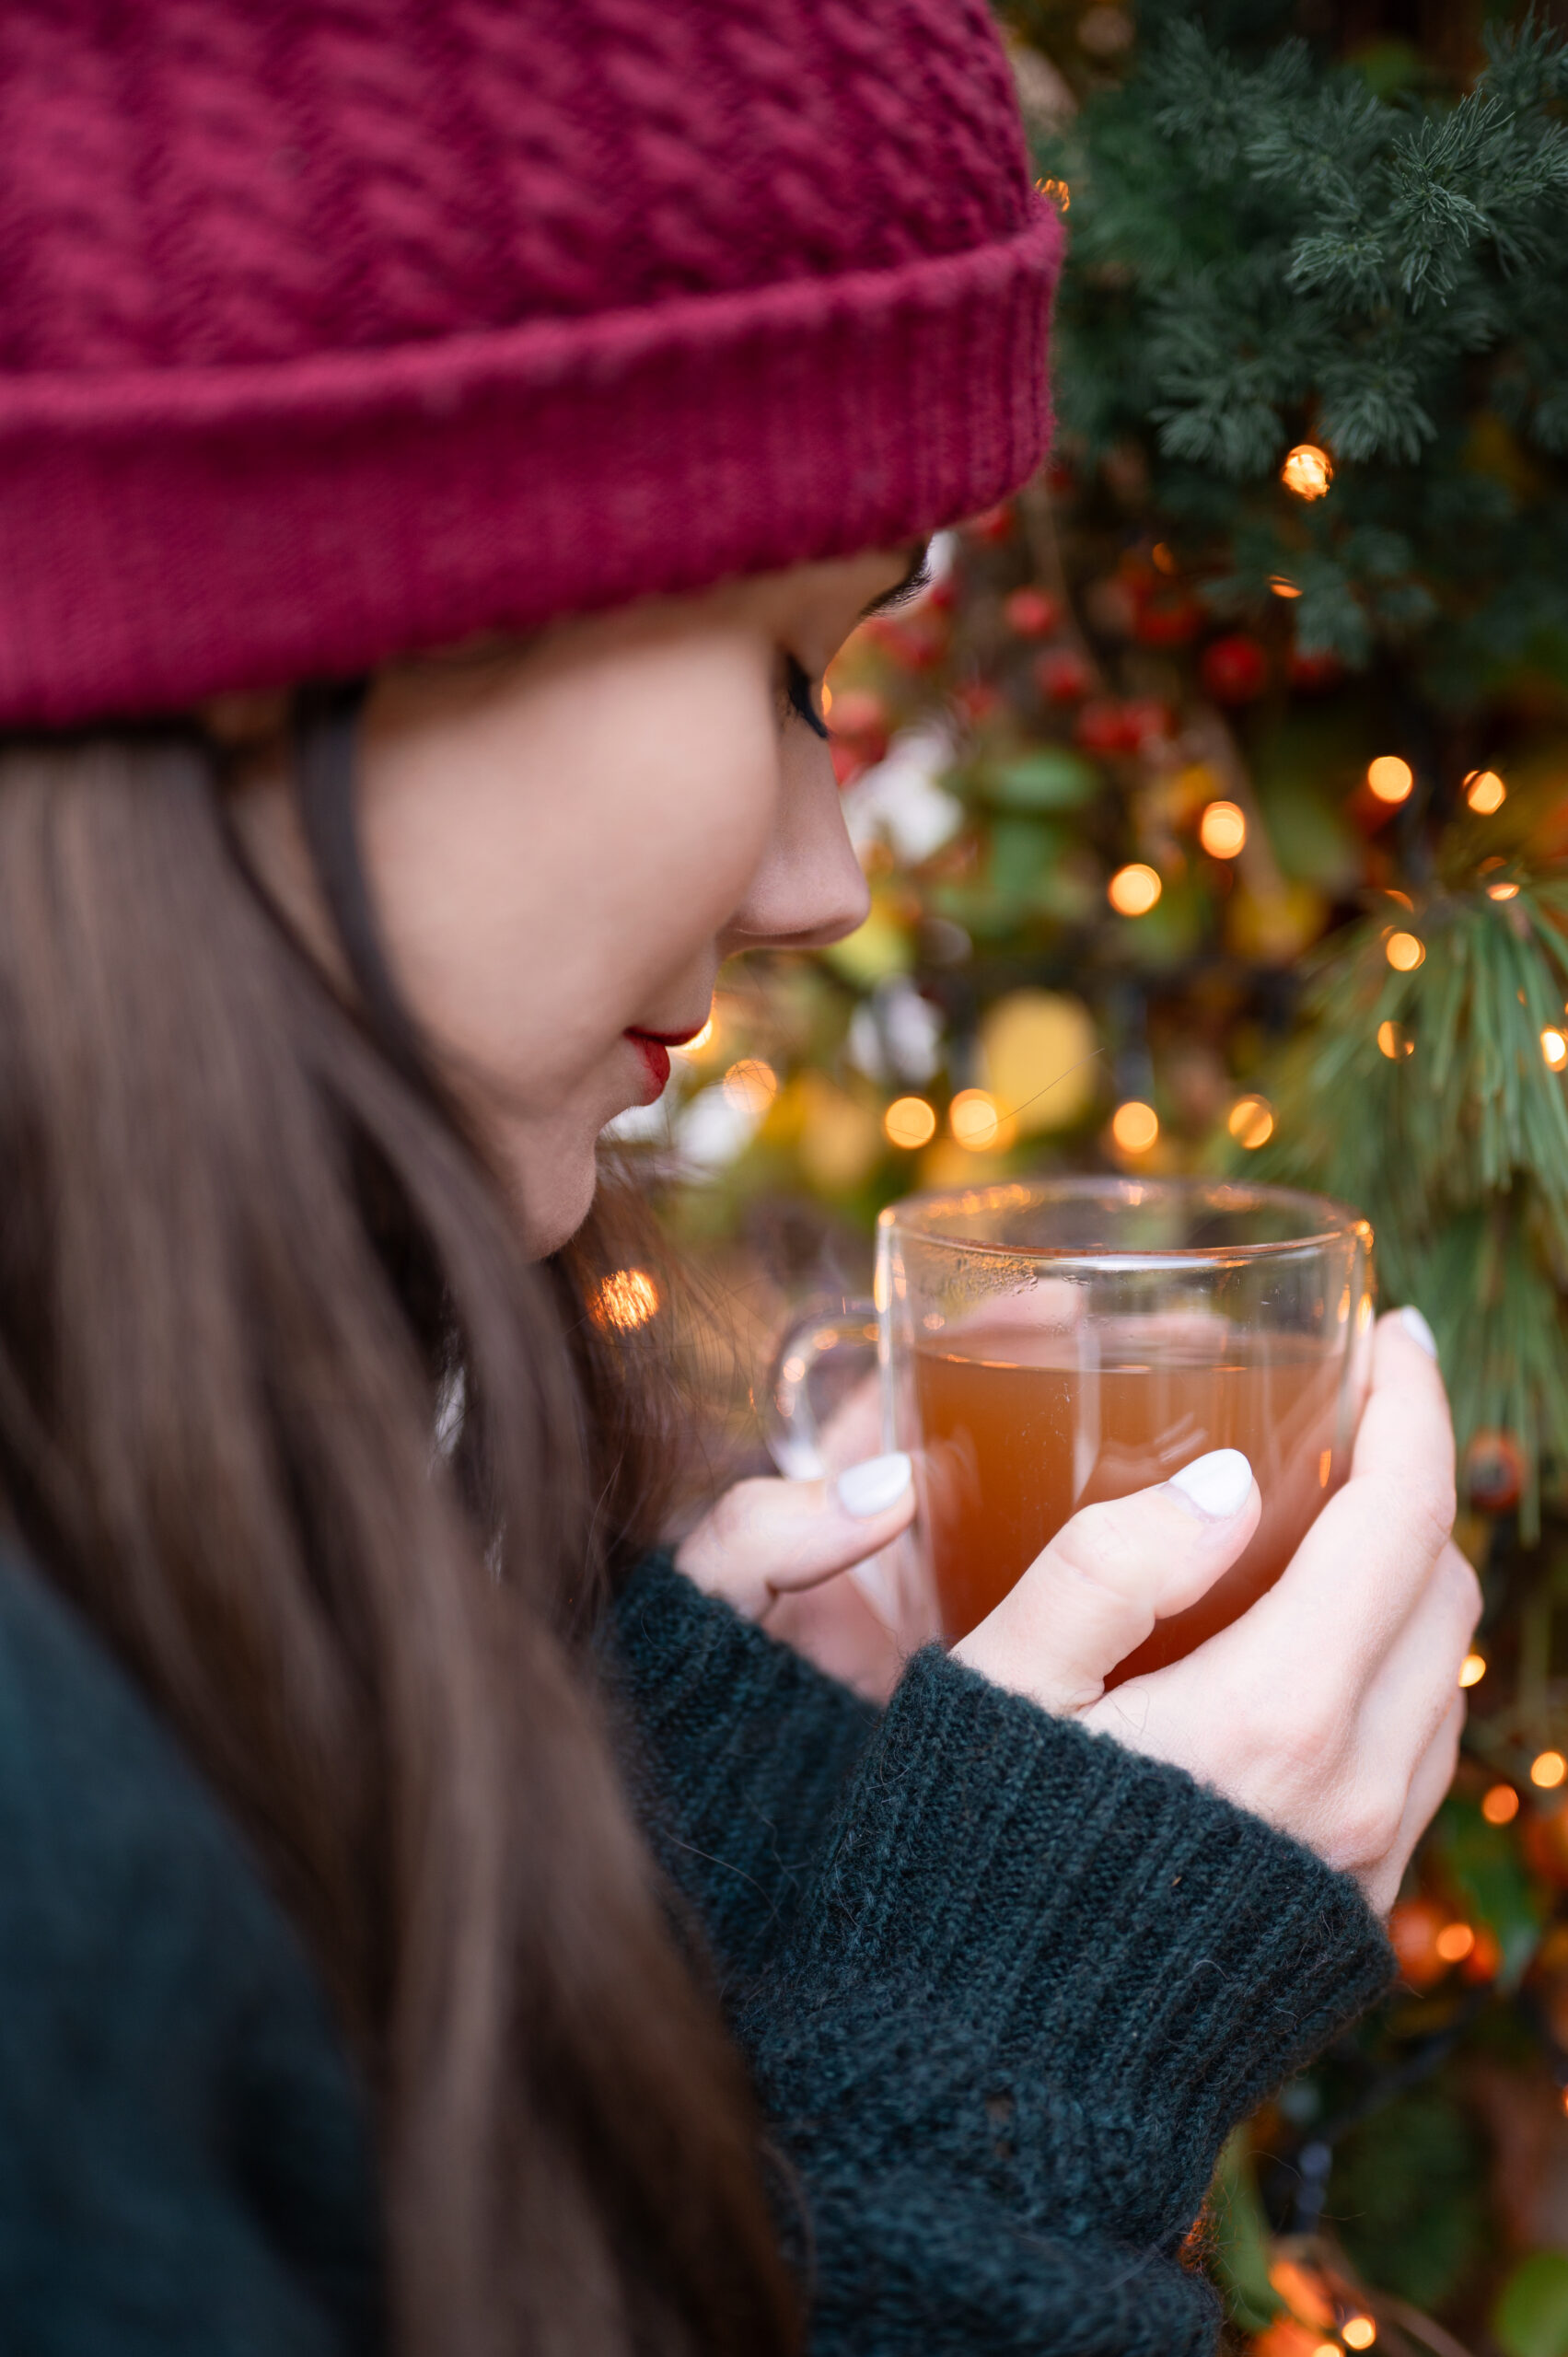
[1333, 1707]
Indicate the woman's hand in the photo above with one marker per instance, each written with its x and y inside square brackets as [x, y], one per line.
[1333, 1707]
[781, 1551]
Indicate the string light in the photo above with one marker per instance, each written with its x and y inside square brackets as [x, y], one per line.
[1548, 1770]
[1501, 891]
[1554, 1047]
[909, 1121]
[1132, 892]
[626, 1299]
[1472, 1669]
[1454, 1943]
[1134, 1126]
[1404, 952]
[1307, 471]
[1485, 792]
[1392, 1041]
[1252, 1121]
[1222, 830]
[975, 1121]
[1390, 778]
[1358, 2332]
[1282, 587]
[1501, 1805]
[751, 1084]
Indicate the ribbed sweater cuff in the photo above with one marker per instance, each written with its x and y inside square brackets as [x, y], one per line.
[1163, 1957]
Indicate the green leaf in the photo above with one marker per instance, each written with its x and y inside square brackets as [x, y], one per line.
[1241, 2238]
[1052, 778]
[1531, 2318]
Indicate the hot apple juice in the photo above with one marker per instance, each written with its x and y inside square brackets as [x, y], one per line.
[1019, 1430]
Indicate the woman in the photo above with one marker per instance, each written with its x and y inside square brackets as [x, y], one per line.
[565, 380]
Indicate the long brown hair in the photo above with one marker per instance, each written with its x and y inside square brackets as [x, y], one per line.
[238, 1253]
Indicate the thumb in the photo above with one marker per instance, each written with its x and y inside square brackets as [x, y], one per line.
[1109, 1574]
[766, 1537]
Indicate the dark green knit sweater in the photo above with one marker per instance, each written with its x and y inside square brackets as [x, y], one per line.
[1004, 1987]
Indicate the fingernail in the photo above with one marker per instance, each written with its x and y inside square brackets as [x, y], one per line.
[868, 1489]
[1418, 1329]
[1216, 1486]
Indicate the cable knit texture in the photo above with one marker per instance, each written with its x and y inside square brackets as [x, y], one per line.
[331, 329]
[1004, 1986]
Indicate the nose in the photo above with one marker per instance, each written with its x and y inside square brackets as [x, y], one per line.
[807, 889]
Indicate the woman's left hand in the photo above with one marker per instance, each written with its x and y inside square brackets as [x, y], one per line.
[781, 1552]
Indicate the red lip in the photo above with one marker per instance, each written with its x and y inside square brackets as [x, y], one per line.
[655, 1059]
[665, 1039]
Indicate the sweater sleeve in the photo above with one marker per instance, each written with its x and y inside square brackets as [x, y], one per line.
[738, 1754]
[1037, 1980]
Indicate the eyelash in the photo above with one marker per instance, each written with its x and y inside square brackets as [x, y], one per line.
[799, 696]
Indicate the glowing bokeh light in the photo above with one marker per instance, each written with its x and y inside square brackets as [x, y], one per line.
[1134, 1126]
[1454, 1943]
[1485, 792]
[1252, 1121]
[751, 1084]
[1282, 587]
[1222, 830]
[1307, 471]
[1392, 1041]
[1132, 892]
[1554, 1047]
[1390, 778]
[1501, 891]
[625, 1299]
[1404, 952]
[909, 1121]
[1501, 1805]
[1472, 1669]
[974, 1119]
[1358, 2332]
[1547, 1769]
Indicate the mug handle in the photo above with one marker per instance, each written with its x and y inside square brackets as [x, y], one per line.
[788, 1421]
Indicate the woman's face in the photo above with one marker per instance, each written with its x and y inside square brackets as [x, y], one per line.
[563, 842]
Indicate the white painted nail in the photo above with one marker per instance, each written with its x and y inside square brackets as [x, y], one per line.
[1216, 1486]
[1418, 1329]
[868, 1489]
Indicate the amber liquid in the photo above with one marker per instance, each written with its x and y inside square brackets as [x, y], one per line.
[1018, 1432]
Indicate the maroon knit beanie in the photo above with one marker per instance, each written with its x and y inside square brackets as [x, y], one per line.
[336, 328]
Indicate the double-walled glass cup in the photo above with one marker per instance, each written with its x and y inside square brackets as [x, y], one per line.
[1047, 1345]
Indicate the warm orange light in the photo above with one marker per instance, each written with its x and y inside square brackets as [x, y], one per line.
[1501, 1805]
[1392, 1042]
[751, 1084]
[628, 1298]
[1390, 778]
[909, 1121]
[1222, 830]
[1282, 587]
[1132, 892]
[1548, 1770]
[1358, 2332]
[1485, 792]
[1307, 471]
[1134, 1126]
[1404, 952]
[975, 1120]
[1165, 558]
[1454, 1943]
[703, 1039]
[1554, 1047]
[1472, 1669]
[1501, 891]
[1057, 190]
[1252, 1121]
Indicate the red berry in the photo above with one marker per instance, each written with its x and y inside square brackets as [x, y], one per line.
[914, 640]
[1309, 671]
[977, 699]
[1032, 613]
[1235, 669]
[1144, 721]
[991, 524]
[1494, 1471]
[1168, 619]
[1061, 675]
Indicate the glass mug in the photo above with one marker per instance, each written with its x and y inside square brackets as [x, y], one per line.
[1049, 1344]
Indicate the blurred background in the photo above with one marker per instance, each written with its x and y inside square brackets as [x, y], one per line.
[1214, 800]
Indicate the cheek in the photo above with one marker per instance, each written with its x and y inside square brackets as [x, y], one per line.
[554, 870]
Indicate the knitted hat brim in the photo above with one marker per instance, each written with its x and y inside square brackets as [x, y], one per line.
[169, 535]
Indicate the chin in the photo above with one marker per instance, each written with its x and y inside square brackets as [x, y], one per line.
[553, 1203]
